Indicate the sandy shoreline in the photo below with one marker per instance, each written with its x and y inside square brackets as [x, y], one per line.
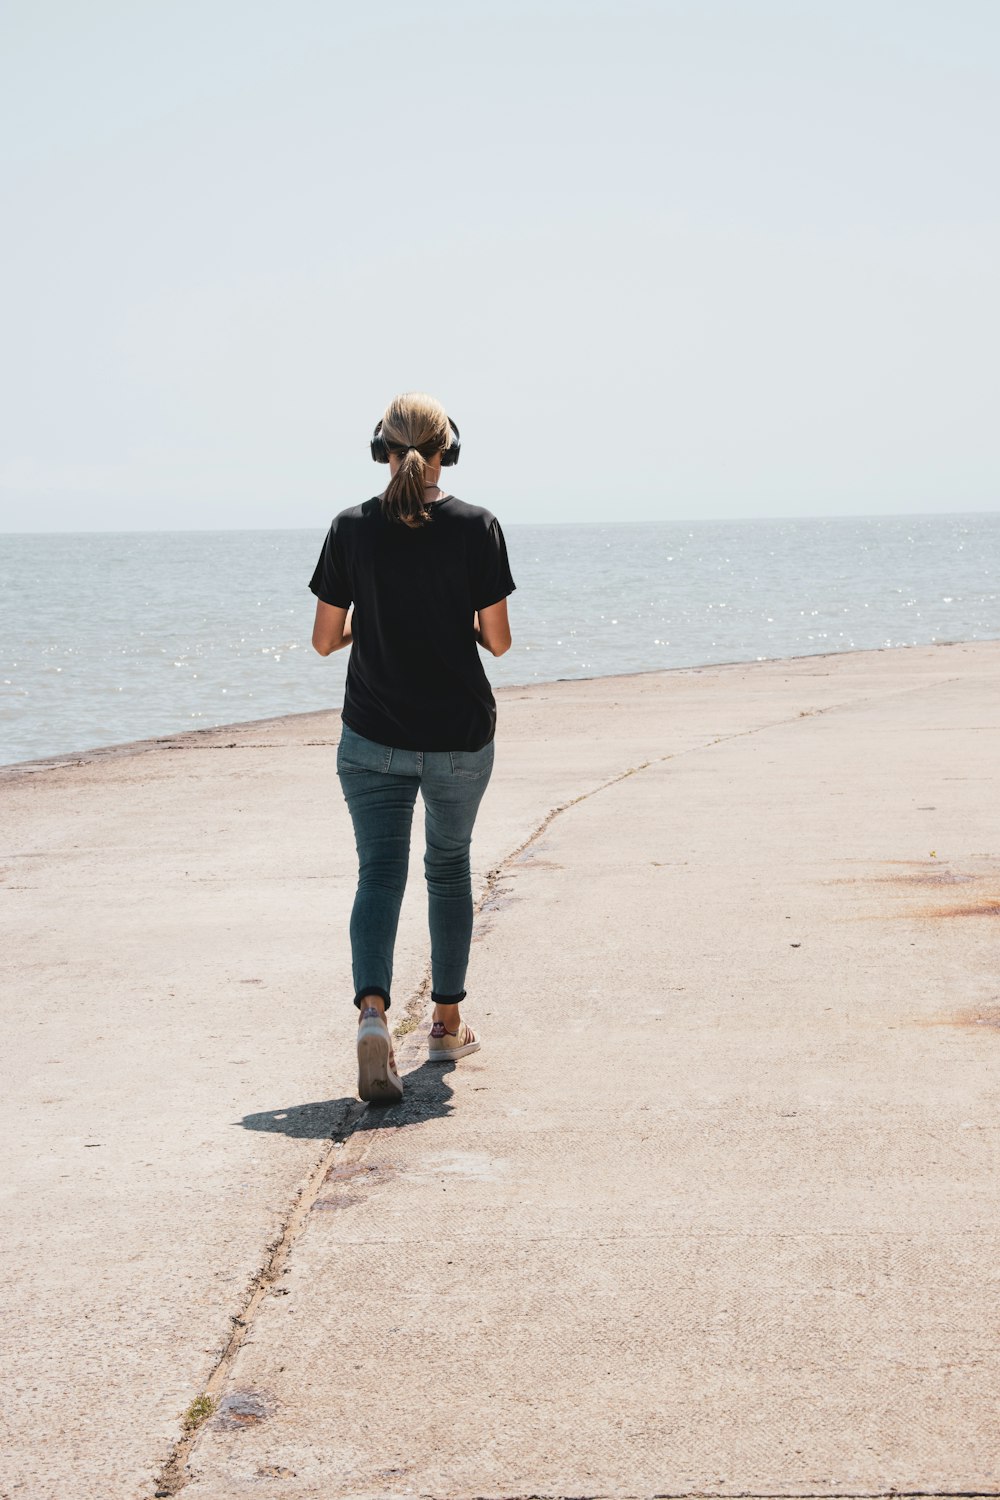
[741, 1239]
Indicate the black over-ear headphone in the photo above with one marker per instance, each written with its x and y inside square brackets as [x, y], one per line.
[449, 455]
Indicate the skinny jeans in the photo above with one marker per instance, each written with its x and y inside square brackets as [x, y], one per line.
[380, 785]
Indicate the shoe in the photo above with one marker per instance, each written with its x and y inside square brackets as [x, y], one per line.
[445, 1044]
[378, 1081]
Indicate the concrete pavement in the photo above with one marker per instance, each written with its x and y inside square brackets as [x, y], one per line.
[713, 1211]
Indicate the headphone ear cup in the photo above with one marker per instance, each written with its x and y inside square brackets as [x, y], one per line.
[449, 455]
[380, 452]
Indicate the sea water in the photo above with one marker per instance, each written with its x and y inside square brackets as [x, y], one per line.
[108, 637]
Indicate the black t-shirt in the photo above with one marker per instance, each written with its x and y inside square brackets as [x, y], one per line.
[415, 679]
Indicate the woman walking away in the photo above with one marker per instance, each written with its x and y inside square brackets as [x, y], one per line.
[425, 578]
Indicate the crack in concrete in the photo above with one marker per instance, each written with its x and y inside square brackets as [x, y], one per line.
[495, 875]
[173, 1478]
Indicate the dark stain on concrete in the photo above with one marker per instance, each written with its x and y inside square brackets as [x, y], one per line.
[359, 1175]
[240, 1409]
[342, 1200]
[347, 1171]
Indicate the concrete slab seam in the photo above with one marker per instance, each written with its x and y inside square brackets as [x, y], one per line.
[172, 1476]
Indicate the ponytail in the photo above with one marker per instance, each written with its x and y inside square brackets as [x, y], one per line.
[415, 428]
[404, 497]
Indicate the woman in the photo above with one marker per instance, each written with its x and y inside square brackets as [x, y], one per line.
[427, 579]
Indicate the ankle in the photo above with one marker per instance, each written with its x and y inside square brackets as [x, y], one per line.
[448, 1015]
[371, 1003]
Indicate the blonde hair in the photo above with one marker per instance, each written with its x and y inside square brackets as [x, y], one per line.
[415, 427]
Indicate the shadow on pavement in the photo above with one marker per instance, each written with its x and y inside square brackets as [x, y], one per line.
[427, 1095]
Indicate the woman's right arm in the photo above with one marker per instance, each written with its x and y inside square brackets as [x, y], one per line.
[492, 628]
[330, 628]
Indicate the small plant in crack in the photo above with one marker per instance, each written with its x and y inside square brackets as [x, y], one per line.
[200, 1410]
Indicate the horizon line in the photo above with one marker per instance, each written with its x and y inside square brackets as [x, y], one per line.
[667, 521]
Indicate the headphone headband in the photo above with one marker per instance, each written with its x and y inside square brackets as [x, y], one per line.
[449, 455]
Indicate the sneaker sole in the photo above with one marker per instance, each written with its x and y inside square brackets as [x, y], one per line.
[444, 1053]
[377, 1084]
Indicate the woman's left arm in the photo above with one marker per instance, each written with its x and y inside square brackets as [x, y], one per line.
[330, 630]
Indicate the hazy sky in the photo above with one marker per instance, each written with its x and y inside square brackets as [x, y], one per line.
[660, 260]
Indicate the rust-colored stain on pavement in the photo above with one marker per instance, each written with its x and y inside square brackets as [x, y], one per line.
[986, 906]
[982, 1016]
[921, 874]
[357, 1174]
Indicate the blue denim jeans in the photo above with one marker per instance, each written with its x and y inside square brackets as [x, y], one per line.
[380, 785]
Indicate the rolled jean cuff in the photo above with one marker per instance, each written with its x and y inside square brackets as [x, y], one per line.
[372, 989]
[447, 999]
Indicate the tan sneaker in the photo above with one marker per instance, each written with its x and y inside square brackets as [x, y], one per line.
[378, 1081]
[445, 1044]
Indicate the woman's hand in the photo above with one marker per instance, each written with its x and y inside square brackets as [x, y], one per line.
[330, 630]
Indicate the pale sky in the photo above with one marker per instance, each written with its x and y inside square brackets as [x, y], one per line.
[660, 260]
